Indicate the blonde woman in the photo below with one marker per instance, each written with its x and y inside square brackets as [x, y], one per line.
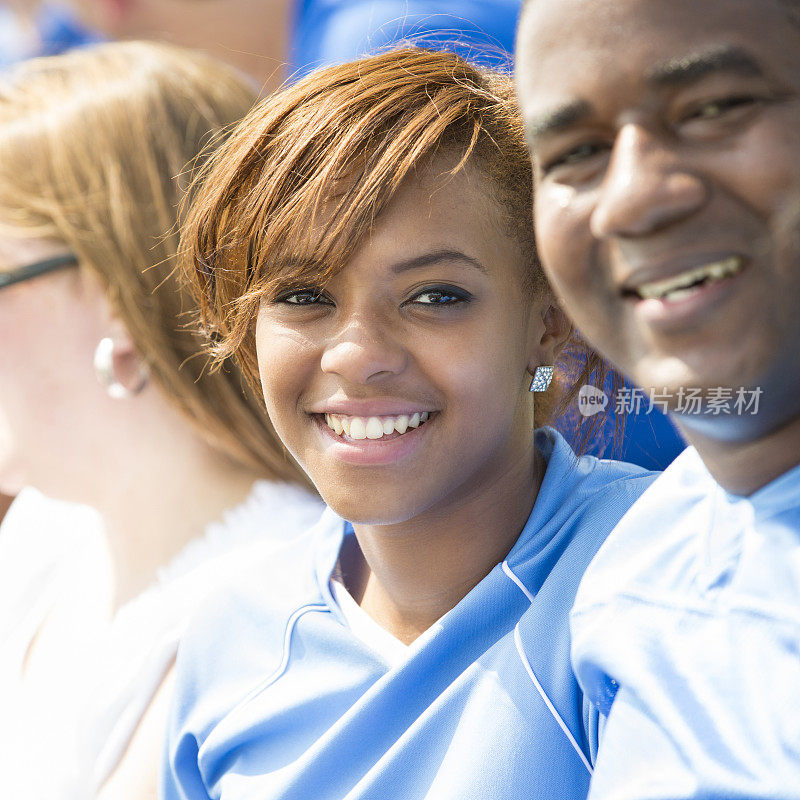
[105, 401]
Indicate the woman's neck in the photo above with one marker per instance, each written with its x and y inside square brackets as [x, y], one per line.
[408, 575]
[166, 486]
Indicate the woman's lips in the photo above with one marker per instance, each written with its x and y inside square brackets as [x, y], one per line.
[374, 427]
[386, 449]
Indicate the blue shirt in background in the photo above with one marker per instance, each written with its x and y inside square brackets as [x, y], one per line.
[686, 632]
[277, 697]
[334, 31]
[56, 32]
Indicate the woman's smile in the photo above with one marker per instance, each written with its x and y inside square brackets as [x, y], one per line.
[356, 428]
[373, 440]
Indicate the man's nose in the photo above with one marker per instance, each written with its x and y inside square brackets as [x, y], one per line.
[645, 187]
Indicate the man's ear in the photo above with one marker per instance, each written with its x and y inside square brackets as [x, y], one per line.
[555, 330]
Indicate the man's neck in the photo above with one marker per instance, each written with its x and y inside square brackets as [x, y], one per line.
[744, 467]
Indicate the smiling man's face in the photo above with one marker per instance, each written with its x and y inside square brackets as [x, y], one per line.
[666, 139]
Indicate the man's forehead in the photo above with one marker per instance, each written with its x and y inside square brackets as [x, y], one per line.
[678, 43]
[583, 26]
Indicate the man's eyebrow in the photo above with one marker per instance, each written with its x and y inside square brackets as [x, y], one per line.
[694, 66]
[435, 257]
[558, 119]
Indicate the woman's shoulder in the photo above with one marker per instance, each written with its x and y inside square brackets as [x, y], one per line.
[237, 636]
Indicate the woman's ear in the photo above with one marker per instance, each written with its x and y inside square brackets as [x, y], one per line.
[554, 332]
[118, 364]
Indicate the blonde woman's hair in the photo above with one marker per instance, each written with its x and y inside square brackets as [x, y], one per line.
[94, 148]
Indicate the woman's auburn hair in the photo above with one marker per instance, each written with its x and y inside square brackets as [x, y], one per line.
[327, 155]
[94, 147]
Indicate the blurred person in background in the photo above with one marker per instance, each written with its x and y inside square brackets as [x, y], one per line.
[104, 401]
[30, 28]
[275, 40]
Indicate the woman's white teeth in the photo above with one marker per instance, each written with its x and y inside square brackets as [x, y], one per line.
[335, 423]
[374, 427]
[684, 284]
[358, 429]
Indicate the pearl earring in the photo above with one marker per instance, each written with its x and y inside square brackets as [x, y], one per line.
[104, 370]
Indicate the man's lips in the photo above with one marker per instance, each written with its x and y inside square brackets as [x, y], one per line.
[675, 278]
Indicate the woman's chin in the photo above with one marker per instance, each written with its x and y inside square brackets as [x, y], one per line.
[361, 506]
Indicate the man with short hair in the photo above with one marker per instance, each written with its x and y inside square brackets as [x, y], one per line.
[666, 145]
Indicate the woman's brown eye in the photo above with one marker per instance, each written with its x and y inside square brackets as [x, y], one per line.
[441, 296]
[302, 297]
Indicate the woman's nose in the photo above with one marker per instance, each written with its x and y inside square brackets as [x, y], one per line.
[364, 352]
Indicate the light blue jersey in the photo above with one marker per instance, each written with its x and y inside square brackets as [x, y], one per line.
[688, 621]
[277, 697]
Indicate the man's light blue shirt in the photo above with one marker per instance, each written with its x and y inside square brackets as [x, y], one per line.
[686, 631]
[278, 698]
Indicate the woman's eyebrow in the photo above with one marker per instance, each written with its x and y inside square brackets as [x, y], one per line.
[435, 257]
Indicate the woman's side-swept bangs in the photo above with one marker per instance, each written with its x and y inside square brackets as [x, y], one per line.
[300, 183]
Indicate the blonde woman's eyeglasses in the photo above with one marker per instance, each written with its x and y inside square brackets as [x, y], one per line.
[36, 269]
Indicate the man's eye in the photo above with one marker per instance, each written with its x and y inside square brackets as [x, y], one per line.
[440, 296]
[576, 155]
[717, 108]
[303, 297]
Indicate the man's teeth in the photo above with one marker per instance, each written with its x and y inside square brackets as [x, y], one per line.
[684, 284]
[374, 427]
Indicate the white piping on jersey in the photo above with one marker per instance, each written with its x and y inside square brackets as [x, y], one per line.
[516, 580]
[287, 640]
[539, 688]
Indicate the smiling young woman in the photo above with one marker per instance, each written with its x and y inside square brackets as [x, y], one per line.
[362, 245]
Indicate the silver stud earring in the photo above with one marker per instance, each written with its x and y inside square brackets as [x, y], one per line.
[104, 369]
[541, 379]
